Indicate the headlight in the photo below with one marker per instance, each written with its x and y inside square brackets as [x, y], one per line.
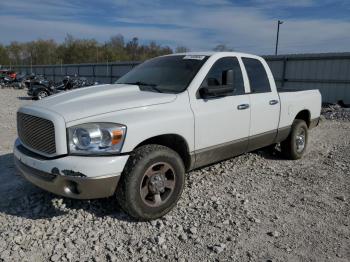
[96, 138]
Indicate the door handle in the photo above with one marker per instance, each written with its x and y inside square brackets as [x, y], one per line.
[243, 106]
[273, 102]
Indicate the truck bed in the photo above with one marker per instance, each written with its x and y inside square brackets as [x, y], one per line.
[293, 102]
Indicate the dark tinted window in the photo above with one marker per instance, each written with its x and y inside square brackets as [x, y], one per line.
[218, 75]
[259, 82]
[168, 74]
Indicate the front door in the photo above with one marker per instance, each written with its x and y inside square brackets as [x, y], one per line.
[221, 123]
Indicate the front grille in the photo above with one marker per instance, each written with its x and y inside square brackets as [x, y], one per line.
[36, 133]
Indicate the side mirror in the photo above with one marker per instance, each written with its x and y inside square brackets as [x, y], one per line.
[229, 77]
[212, 92]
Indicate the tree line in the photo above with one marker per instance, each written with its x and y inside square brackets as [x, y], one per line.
[75, 51]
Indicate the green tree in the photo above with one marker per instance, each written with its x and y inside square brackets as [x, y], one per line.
[222, 48]
[4, 57]
[40, 52]
[75, 50]
[15, 52]
[182, 49]
[132, 49]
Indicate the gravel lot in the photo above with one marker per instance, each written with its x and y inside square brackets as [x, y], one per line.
[256, 207]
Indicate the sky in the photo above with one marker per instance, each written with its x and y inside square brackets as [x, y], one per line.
[310, 26]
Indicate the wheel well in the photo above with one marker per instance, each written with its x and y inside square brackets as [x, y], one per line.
[304, 115]
[173, 141]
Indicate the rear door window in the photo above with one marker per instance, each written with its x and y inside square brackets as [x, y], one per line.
[259, 82]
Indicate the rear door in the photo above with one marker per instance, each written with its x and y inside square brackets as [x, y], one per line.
[221, 123]
[265, 104]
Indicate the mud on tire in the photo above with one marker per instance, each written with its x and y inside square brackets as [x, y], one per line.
[152, 182]
[295, 145]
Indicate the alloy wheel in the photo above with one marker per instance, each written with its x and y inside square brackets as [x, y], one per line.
[300, 140]
[158, 184]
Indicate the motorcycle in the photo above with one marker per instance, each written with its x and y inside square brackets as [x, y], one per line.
[7, 78]
[39, 88]
[18, 82]
[32, 80]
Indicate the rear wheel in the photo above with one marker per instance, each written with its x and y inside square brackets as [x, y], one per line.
[295, 145]
[151, 183]
[42, 94]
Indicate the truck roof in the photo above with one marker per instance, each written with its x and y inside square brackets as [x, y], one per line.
[210, 53]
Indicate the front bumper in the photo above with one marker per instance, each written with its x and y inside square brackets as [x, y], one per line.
[71, 176]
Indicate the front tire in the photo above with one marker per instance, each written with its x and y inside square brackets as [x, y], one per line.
[152, 182]
[295, 145]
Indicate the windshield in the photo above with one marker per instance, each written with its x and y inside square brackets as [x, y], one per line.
[167, 74]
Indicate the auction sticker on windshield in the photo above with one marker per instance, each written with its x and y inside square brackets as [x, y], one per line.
[196, 57]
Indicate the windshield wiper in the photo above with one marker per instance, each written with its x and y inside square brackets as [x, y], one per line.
[152, 86]
[140, 83]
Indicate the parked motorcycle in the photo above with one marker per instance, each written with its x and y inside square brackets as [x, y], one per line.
[7, 78]
[6, 81]
[40, 88]
[32, 80]
[18, 81]
[76, 82]
[9, 73]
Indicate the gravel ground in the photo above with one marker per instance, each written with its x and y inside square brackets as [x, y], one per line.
[336, 112]
[256, 207]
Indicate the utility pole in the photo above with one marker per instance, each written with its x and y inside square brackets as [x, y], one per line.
[279, 22]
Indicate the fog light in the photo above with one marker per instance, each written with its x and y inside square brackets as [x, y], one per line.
[71, 187]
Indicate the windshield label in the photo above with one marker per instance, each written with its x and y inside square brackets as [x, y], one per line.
[195, 57]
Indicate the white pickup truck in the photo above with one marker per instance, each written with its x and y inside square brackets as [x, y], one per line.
[137, 138]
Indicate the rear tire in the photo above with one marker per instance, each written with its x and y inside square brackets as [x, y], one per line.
[152, 182]
[42, 94]
[295, 145]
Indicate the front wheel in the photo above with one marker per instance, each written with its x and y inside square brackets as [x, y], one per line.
[295, 145]
[152, 182]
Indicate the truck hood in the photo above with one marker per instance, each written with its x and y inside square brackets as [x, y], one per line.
[101, 99]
